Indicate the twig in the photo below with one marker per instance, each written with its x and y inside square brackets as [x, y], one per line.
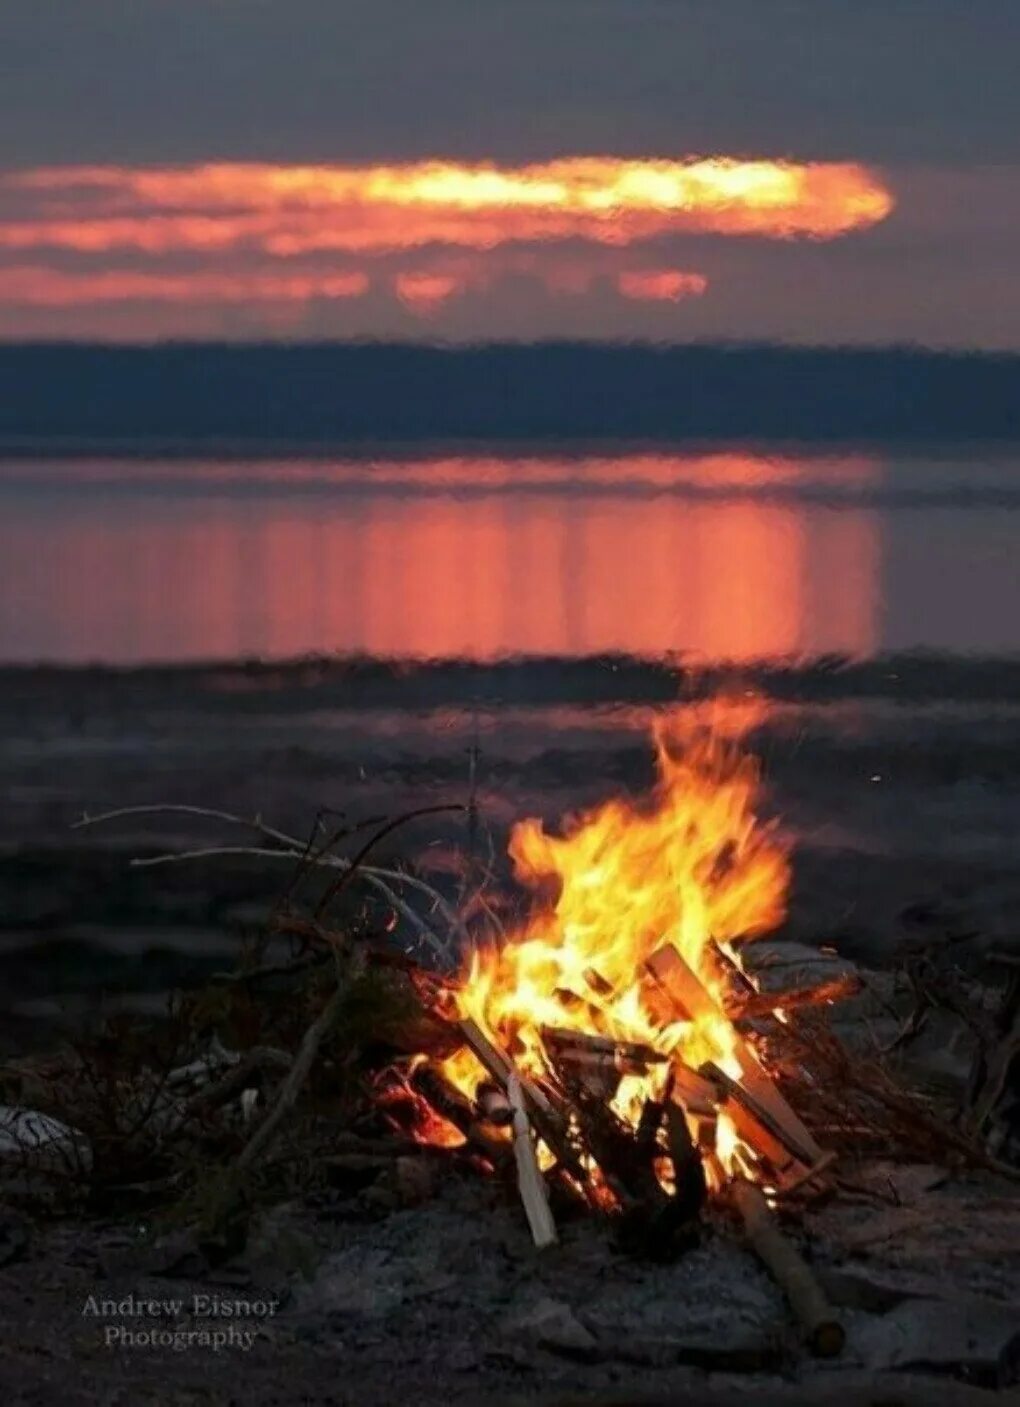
[381, 879]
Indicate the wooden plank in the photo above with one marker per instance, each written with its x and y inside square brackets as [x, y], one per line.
[530, 1181]
[691, 1000]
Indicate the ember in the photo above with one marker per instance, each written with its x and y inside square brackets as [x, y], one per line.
[610, 1024]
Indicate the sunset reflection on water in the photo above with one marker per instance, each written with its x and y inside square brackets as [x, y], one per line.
[722, 556]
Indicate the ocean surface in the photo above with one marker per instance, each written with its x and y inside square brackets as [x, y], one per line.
[731, 554]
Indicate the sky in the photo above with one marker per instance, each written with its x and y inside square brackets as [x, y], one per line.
[811, 171]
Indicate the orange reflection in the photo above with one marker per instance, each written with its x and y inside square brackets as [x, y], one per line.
[721, 556]
[290, 210]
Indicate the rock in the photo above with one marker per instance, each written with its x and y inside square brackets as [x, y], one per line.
[873, 1289]
[786, 966]
[552, 1324]
[178, 1257]
[904, 1183]
[13, 1237]
[415, 1179]
[975, 1340]
[743, 1348]
[715, 1308]
[26, 1135]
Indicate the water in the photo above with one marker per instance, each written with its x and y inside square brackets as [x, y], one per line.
[725, 554]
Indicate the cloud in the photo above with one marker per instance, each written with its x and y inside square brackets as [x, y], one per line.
[660, 285]
[292, 210]
[423, 233]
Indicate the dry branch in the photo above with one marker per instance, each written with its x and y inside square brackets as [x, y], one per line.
[292, 849]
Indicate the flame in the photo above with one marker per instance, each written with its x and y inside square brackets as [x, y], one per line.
[690, 865]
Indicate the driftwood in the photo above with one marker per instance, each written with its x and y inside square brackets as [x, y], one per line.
[529, 1177]
[824, 1332]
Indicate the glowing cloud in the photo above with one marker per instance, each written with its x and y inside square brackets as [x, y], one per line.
[37, 287]
[425, 293]
[291, 210]
[180, 243]
[660, 285]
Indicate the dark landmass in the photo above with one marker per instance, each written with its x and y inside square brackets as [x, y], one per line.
[174, 398]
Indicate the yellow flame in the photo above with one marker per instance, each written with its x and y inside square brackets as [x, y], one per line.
[690, 864]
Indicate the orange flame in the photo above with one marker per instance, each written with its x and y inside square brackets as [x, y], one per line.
[693, 864]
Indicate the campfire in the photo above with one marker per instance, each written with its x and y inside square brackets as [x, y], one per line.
[611, 1048]
[618, 1058]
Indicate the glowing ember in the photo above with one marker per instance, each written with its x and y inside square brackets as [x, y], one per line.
[693, 867]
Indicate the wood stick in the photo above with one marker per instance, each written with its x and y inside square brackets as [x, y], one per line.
[735, 1090]
[691, 1000]
[550, 1123]
[697, 1094]
[529, 1177]
[450, 1104]
[763, 1003]
[635, 1051]
[784, 1263]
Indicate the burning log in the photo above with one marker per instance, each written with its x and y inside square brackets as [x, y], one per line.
[549, 1122]
[629, 1057]
[748, 1007]
[529, 1177]
[756, 1125]
[690, 1186]
[493, 1104]
[824, 1332]
[698, 1095]
[448, 1102]
[688, 999]
[652, 1222]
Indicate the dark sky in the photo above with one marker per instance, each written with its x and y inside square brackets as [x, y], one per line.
[923, 91]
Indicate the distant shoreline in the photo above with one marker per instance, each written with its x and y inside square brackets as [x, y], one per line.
[41, 447]
[352, 681]
[313, 398]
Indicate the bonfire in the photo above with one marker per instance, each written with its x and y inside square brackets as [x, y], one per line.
[611, 1056]
[606, 1043]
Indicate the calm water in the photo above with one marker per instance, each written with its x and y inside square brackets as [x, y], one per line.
[725, 554]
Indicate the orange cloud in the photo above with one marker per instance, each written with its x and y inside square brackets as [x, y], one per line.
[51, 288]
[660, 285]
[425, 293]
[292, 210]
